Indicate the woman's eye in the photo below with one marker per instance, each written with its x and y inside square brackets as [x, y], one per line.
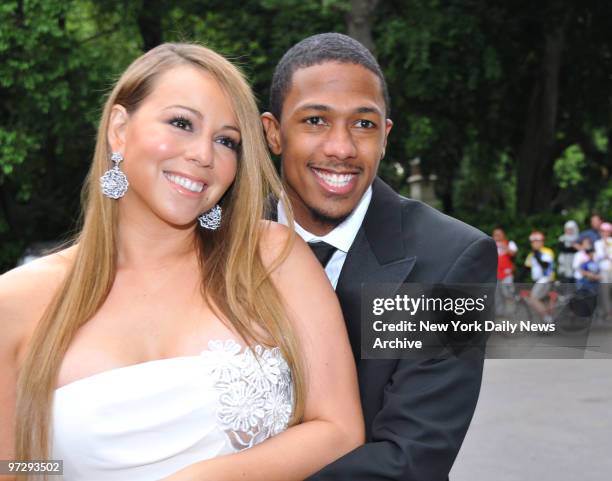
[365, 124]
[314, 120]
[228, 142]
[182, 123]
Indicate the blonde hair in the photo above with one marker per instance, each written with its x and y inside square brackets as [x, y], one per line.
[237, 284]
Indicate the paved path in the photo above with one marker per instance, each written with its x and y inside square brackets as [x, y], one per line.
[540, 420]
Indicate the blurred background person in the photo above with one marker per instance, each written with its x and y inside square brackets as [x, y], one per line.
[589, 271]
[593, 232]
[541, 262]
[603, 256]
[567, 250]
[581, 256]
[506, 251]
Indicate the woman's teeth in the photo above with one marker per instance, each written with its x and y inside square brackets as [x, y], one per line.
[188, 184]
[335, 180]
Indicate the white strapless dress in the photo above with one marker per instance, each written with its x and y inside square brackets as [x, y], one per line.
[146, 421]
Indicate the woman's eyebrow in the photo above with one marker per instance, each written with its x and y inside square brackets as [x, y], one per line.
[232, 127]
[199, 114]
[192, 110]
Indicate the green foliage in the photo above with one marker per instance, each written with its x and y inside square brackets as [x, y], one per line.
[460, 74]
[56, 62]
[568, 168]
[603, 203]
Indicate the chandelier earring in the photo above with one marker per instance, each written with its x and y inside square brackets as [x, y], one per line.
[211, 219]
[114, 183]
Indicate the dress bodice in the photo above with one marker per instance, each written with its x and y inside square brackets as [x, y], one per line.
[146, 421]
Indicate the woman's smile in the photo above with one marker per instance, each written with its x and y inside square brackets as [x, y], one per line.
[185, 184]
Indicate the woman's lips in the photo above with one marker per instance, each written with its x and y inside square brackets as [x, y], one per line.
[186, 185]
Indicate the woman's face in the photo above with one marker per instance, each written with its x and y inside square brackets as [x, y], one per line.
[180, 147]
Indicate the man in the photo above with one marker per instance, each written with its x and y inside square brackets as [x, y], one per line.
[593, 233]
[328, 122]
[541, 262]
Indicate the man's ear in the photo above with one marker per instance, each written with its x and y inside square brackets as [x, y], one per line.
[388, 127]
[272, 129]
[117, 127]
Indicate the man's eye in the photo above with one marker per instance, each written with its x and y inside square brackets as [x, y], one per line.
[228, 142]
[314, 120]
[365, 124]
[182, 123]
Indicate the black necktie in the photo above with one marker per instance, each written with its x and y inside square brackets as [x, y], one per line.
[323, 251]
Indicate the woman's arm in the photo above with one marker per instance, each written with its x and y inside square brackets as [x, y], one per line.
[25, 293]
[333, 423]
[10, 336]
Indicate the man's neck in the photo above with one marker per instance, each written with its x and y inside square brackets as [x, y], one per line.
[344, 231]
[311, 225]
[308, 220]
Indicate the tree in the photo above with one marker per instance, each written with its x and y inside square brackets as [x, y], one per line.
[507, 102]
[359, 21]
[483, 83]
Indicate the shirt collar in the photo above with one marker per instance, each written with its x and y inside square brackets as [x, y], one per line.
[343, 235]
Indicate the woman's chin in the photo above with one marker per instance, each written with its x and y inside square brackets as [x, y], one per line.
[180, 222]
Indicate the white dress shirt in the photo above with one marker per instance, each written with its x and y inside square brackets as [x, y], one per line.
[341, 237]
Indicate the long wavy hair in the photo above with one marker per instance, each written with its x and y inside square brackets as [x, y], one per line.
[235, 281]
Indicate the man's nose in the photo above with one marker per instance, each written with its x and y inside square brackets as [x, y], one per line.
[340, 143]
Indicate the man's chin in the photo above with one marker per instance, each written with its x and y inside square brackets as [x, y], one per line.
[326, 218]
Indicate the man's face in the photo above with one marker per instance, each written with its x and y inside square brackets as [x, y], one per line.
[537, 244]
[331, 138]
[498, 235]
[595, 222]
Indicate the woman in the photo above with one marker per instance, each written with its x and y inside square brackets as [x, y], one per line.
[506, 251]
[179, 327]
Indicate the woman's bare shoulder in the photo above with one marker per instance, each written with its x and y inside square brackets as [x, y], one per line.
[274, 233]
[27, 290]
[281, 248]
[290, 260]
[37, 274]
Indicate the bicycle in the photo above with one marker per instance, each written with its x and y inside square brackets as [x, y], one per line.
[511, 307]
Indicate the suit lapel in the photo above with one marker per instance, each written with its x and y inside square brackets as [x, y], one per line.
[377, 255]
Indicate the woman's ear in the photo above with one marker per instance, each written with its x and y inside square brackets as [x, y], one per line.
[117, 127]
[272, 129]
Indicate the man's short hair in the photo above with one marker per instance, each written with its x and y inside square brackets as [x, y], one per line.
[315, 50]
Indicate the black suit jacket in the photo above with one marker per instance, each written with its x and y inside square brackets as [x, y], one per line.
[416, 411]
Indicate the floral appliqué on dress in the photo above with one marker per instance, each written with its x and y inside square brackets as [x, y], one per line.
[255, 391]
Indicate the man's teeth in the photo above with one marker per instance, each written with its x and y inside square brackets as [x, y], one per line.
[188, 184]
[335, 180]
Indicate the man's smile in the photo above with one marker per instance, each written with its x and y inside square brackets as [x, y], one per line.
[335, 182]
